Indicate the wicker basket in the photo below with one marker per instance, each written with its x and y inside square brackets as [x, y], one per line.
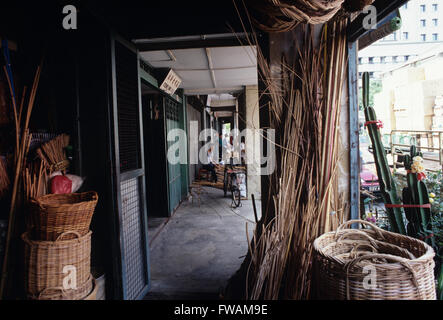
[59, 293]
[344, 260]
[55, 214]
[45, 261]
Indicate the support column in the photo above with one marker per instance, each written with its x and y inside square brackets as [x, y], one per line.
[236, 119]
[252, 141]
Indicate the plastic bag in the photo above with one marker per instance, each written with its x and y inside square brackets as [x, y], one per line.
[60, 184]
[77, 182]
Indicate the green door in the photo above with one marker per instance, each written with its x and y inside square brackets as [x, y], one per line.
[173, 117]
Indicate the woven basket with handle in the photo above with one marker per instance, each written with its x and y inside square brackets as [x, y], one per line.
[59, 293]
[48, 263]
[54, 214]
[372, 264]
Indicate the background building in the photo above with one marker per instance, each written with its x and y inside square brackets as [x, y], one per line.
[421, 31]
[411, 94]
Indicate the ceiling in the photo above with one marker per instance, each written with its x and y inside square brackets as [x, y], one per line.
[215, 70]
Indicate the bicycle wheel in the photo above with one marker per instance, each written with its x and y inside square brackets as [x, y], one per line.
[236, 198]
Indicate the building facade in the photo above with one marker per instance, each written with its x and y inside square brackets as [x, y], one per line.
[421, 31]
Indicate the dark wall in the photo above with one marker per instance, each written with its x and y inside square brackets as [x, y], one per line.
[92, 47]
[38, 33]
[73, 97]
[151, 19]
[155, 155]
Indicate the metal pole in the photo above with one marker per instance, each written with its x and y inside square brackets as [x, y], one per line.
[440, 151]
[394, 162]
[354, 142]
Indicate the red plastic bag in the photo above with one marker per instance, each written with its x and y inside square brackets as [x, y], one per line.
[61, 184]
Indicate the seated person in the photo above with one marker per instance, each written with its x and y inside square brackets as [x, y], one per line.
[211, 164]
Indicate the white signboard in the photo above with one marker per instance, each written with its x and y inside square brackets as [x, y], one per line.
[171, 83]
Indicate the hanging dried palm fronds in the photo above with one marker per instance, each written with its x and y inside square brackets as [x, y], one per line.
[296, 204]
[53, 153]
[285, 15]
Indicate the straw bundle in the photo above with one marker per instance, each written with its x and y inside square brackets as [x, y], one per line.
[305, 107]
[53, 154]
[285, 15]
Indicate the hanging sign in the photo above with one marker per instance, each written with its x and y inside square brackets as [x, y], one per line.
[171, 82]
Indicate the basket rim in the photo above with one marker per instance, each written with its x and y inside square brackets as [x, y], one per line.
[41, 201]
[428, 255]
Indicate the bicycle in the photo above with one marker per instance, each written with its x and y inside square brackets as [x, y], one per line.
[231, 183]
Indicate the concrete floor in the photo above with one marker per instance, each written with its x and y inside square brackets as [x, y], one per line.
[197, 250]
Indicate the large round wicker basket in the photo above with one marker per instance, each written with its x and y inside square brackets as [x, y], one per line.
[372, 264]
[54, 214]
[48, 263]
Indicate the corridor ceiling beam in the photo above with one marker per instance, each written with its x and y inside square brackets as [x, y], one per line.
[203, 91]
[222, 103]
[189, 42]
[230, 108]
[211, 67]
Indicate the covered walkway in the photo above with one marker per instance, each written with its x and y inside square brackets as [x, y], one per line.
[200, 247]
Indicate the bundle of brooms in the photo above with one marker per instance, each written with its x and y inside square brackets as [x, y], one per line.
[22, 116]
[304, 104]
[34, 180]
[53, 154]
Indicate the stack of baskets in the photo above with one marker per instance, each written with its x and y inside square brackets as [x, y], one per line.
[58, 247]
[372, 264]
